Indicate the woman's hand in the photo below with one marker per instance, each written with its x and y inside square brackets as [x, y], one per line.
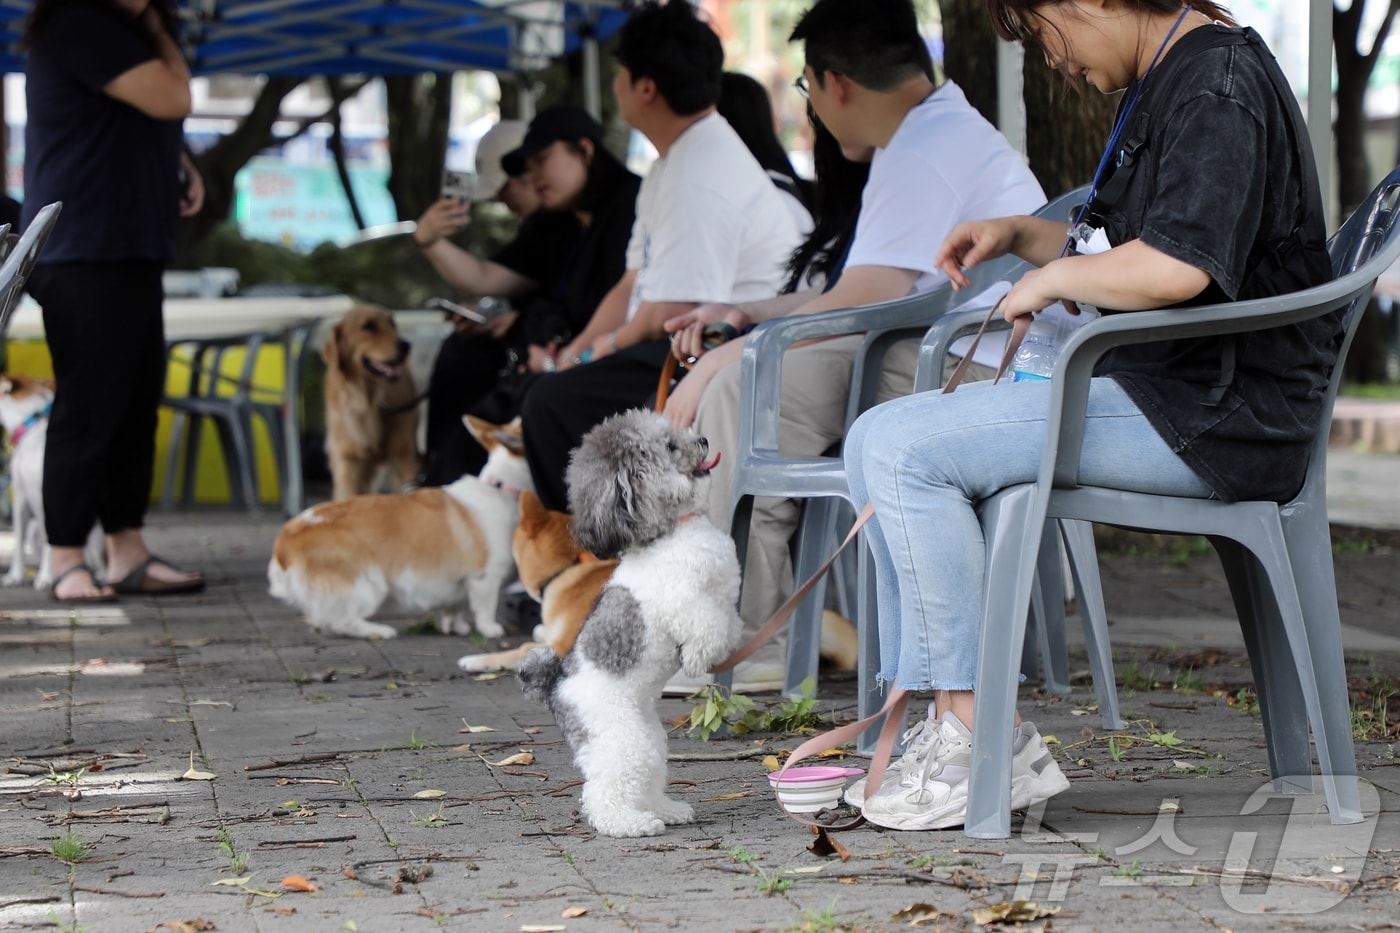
[971, 243]
[192, 198]
[443, 218]
[688, 330]
[684, 400]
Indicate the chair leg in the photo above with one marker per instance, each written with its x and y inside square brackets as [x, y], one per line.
[1084, 561]
[870, 693]
[189, 478]
[815, 532]
[1282, 712]
[172, 459]
[1309, 549]
[1013, 548]
[1050, 623]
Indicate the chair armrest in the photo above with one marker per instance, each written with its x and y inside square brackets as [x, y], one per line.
[1069, 390]
[933, 352]
[761, 375]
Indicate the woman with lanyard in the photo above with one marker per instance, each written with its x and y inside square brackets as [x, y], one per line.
[1173, 222]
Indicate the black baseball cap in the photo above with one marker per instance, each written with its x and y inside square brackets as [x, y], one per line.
[563, 121]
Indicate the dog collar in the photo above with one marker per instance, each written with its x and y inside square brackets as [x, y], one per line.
[28, 423]
[506, 488]
[556, 575]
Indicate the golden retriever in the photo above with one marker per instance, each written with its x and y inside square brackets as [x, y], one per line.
[371, 418]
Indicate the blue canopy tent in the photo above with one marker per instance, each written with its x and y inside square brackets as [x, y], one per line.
[317, 37]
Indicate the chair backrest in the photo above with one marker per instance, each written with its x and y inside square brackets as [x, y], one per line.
[21, 259]
[1350, 248]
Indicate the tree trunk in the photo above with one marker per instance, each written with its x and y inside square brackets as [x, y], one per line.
[220, 163]
[419, 108]
[337, 147]
[1065, 129]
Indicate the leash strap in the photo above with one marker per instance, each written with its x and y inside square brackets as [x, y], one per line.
[897, 702]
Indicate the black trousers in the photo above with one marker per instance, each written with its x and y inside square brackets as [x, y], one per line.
[107, 339]
[465, 371]
[562, 407]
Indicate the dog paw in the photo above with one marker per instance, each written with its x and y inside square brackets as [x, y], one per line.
[13, 579]
[629, 825]
[675, 812]
[478, 663]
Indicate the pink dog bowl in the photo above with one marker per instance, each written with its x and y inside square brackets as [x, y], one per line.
[807, 790]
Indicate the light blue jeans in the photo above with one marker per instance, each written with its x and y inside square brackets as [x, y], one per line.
[926, 461]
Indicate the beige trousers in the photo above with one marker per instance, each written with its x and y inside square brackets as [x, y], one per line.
[811, 418]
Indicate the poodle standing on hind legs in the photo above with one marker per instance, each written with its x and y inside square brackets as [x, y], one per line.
[637, 489]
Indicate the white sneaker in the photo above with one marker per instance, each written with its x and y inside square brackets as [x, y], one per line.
[916, 742]
[1035, 776]
[749, 677]
[931, 790]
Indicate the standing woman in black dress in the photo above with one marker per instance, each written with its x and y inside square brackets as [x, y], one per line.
[107, 90]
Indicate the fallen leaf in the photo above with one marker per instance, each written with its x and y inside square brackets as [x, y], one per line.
[771, 762]
[1012, 912]
[193, 775]
[523, 758]
[284, 911]
[493, 675]
[533, 730]
[231, 882]
[734, 795]
[198, 925]
[919, 914]
[471, 728]
[824, 844]
[571, 912]
[848, 879]
[543, 928]
[1050, 739]
[350, 873]
[429, 794]
[298, 883]
[465, 747]
[832, 753]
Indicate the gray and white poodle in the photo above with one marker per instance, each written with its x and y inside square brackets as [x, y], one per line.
[637, 490]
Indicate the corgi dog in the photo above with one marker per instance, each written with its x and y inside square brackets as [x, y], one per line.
[564, 579]
[445, 548]
[24, 410]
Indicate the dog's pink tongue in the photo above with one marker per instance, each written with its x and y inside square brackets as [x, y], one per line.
[709, 464]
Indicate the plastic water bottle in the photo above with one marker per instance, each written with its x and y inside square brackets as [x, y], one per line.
[1035, 358]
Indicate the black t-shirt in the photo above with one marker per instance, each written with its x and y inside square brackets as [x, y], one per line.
[1217, 183]
[573, 265]
[114, 168]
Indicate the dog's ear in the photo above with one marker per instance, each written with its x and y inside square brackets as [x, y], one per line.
[7, 385]
[330, 352]
[603, 523]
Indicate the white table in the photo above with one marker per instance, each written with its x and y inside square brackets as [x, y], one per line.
[290, 317]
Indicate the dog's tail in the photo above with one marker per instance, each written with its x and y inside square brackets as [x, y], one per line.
[539, 672]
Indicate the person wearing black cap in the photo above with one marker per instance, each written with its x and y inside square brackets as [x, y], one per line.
[569, 251]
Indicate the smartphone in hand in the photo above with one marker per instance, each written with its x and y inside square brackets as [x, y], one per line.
[462, 311]
[458, 187]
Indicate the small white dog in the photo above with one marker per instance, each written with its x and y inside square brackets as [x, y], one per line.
[433, 548]
[24, 410]
[637, 490]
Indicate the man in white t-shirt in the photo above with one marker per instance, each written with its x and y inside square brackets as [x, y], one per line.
[937, 162]
[710, 227]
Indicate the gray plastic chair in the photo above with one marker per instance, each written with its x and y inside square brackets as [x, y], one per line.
[762, 470]
[1277, 558]
[230, 402]
[20, 261]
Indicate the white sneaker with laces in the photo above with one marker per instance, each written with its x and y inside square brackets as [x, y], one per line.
[931, 790]
[916, 740]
